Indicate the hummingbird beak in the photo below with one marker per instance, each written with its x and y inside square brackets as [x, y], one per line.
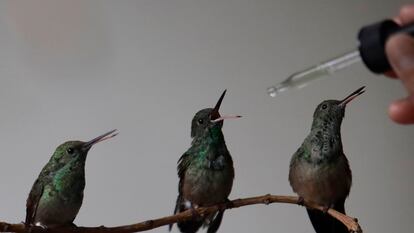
[87, 145]
[352, 96]
[215, 115]
[215, 112]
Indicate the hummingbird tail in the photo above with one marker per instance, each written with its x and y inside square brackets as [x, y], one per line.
[215, 224]
[177, 204]
[323, 223]
[190, 226]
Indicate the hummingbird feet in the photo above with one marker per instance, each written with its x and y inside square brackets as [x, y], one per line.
[326, 208]
[30, 226]
[44, 227]
[39, 224]
[301, 201]
[194, 212]
[228, 204]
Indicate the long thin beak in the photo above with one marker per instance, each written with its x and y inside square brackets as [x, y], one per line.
[101, 138]
[352, 96]
[215, 113]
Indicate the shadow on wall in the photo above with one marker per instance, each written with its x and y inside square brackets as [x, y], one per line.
[60, 36]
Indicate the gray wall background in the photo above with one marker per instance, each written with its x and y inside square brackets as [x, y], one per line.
[75, 69]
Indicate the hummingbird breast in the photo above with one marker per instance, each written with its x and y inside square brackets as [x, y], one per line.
[208, 185]
[62, 197]
[322, 183]
[57, 209]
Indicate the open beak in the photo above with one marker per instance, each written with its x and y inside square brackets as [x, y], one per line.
[215, 115]
[352, 96]
[87, 145]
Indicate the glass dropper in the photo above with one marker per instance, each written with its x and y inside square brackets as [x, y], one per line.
[302, 78]
[371, 51]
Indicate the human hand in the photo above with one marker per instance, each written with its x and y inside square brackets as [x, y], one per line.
[400, 53]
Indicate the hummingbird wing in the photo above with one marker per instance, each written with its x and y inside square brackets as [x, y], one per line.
[179, 205]
[190, 226]
[182, 165]
[37, 191]
[33, 201]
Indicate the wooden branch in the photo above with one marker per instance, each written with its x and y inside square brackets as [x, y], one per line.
[350, 223]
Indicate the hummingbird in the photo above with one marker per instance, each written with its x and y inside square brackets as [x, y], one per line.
[205, 170]
[56, 195]
[319, 170]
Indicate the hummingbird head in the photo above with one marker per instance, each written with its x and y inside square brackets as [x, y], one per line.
[71, 150]
[208, 118]
[333, 111]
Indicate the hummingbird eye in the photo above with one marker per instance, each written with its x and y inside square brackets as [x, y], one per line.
[70, 150]
[200, 121]
[324, 106]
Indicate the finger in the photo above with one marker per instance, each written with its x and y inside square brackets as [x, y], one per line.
[397, 20]
[402, 111]
[400, 52]
[390, 74]
[406, 14]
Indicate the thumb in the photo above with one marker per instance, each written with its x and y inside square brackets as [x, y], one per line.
[400, 52]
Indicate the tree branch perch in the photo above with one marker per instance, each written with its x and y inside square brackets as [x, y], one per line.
[349, 222]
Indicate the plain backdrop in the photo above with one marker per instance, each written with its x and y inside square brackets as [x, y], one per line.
[76, 69]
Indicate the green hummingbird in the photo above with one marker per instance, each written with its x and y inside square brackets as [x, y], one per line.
[56, 195]
[205, 170]
[319, 171]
